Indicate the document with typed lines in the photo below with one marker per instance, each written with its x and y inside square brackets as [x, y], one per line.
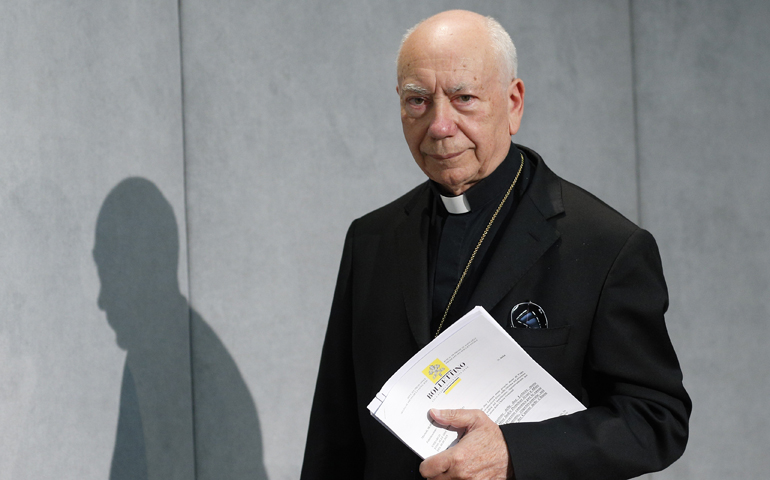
[473, 364]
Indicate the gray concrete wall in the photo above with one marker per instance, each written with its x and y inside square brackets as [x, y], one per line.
[704, 118]
[90, 98]
[243, 137]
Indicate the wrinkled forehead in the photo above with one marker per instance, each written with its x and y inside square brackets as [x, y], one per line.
[451, 70]
[459, 54]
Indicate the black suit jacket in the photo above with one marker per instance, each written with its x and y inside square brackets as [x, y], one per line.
[599, 279]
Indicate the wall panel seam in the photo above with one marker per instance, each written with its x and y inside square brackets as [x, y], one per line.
[635, 113]
[187, 234]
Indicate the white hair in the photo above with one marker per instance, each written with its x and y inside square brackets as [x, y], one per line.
[504, 47]
[501, 43]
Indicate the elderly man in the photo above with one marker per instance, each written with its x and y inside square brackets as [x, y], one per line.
[493, 226]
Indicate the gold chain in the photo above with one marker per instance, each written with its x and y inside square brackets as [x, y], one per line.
[478, 245]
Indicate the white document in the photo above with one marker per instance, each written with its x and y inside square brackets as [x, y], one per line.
[473, 364]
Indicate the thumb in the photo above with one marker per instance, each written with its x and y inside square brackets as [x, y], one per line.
[457, 418]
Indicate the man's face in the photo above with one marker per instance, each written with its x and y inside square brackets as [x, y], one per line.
[457, 113]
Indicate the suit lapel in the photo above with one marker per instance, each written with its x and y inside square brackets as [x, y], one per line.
[525, 239]
[412, 250]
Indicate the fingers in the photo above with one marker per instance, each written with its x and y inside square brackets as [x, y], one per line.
[458, 418]
[481, 453]
[436, 465]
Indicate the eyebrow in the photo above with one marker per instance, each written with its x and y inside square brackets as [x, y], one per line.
[457, 88]
[412, 88]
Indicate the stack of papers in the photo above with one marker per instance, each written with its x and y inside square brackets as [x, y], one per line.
[473, 364]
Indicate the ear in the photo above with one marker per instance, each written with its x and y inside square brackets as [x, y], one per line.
[515, 104]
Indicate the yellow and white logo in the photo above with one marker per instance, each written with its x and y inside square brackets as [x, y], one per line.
[435, 370]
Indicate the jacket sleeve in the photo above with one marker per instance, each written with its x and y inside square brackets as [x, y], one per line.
[638, 410]
[335, 447]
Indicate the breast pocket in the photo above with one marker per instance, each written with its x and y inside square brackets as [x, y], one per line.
[546, 346]
[540, 337]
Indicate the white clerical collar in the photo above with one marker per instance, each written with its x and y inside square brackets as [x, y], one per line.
[456, 205]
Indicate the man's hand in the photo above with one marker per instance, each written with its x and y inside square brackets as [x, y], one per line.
[481, 453]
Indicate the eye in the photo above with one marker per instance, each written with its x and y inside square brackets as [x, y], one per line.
[465, 98]
[415, 101]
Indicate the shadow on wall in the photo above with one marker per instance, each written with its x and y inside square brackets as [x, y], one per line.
[136, 254]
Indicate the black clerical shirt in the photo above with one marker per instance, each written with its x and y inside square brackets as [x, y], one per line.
[454, 236]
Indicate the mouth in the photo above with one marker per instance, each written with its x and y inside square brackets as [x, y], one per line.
[447, 156]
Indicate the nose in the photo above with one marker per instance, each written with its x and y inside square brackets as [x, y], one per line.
[443, 123]
[100, 300]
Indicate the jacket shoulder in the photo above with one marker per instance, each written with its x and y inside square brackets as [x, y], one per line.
[573, 208]
[393, 212]
[591, 216]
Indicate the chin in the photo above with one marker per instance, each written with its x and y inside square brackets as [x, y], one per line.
[454, 182]
[120, 344]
